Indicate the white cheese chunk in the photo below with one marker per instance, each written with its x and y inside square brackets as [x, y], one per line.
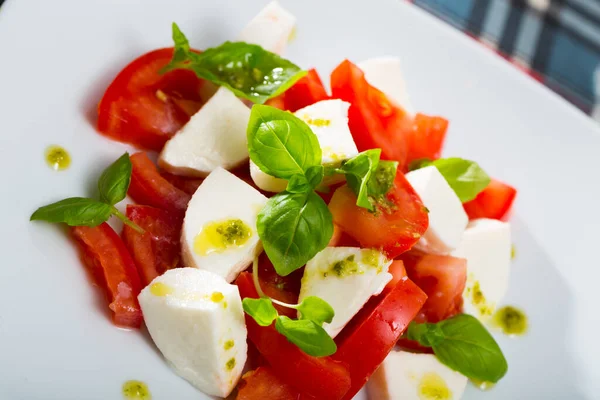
[196, 320]
[415, 376]
[486, 245]
[271, 28]
[447, 217]
[345, 277]
[219, 229]
[328, 119]
[385, 74]
[214, 137]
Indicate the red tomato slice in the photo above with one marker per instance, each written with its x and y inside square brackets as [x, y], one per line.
[443, 278]
[114, 271]
[398, 272]
[321, 377]
[145, 108]
[150, 188]
[188, 185]
[282, 288]
[374, 121]
[308, 90]
[426, 137]
[262, 383]
[394, 228]
[157, 250]
[372, 333]
[495, 201]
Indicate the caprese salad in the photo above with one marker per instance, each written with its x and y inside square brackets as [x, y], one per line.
[314, 239]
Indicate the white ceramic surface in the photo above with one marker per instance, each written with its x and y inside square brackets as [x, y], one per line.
[58, 56]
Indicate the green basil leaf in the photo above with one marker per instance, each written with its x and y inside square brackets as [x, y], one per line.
[307, 335]
[307, 182]
[316, 309]
[463, 344]
[281, 144]
[74, 211]
[358, 171]
[261, 310]
[293, 228]
[114, 181]
[246, 69]
[382, 179]
[465, 177]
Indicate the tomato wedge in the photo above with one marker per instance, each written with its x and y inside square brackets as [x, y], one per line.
[282, 288]
[113, 269]
[372, 333]
[394, 227]
[495, 201]
[188, 185]
[443, 278]
[150, 188]
[156, 250]
[425, 138]
[321, 377]
[262, 383]
[145, 108]
[308, 90]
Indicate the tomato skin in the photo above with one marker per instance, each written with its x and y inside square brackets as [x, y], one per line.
[392, 230]
[188, 185]
[308, 90]
[398, 273]
[320, 377]
[113, 269]
[262, 383]
[495, 201]
[369, 337]
[156, 250]
[426, 137]
[130, 110]
[148, 187]
[442, 278]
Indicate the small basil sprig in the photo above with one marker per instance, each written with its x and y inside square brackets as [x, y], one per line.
[81, 211]
[246, 69]
[306, 332]
[463, 344]
[465, 177]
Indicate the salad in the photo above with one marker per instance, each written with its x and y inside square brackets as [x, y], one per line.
[293, 242]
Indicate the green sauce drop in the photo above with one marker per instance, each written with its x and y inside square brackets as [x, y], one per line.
[511, 320]
[230, 364]
[136, 390]
[228, 344]
[221, 235]
[57, 158]
[344, 267]
[433, 387]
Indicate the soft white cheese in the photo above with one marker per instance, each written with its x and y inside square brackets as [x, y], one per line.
[345, 277]
[415, 376]
[328, 119]
[447, 217]
[222, 197]
[271, 28]
[385, 74]
[214, 137]
[486, 245]
[196, 320]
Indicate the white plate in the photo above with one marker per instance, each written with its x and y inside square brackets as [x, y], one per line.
[58, 56]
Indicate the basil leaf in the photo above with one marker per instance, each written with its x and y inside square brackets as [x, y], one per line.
[293, 228]
[114, 181]
[463, 344]
[74, 211]
[358, 171]
[382, 179]
[281, 144]
[307, 335]
[465, 177]
[261, 310]
[304, 183]
[316, 309]
[246, 69]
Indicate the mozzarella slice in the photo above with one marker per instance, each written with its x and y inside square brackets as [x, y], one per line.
[486, 244]
[345, 277]
[214, 137]
[196, 320]
[328, 119]
[385, 74]
[270, 29]
[415, 376]
[447, 217]
[219, 229]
